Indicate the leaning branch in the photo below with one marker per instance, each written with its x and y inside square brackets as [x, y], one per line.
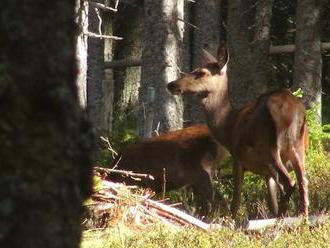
[101, 36]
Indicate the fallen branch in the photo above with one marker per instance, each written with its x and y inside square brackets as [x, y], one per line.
[289, 222]
[185, 218]
[101, 36]
[123, 172]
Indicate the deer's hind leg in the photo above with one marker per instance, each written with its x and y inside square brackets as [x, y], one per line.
[283, 179]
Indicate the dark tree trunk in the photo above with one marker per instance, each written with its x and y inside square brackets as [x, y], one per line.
[95, 74]
[308, 60]
[162, 36]
[207, 36]
[128, 24]
[248, 35]
[326, 68]
[45, 141]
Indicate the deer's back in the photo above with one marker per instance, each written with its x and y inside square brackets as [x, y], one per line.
[183, 154]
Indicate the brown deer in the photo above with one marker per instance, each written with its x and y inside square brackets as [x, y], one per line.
[189, 156]
[265, 136]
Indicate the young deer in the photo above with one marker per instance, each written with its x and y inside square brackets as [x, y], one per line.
[264, 137]
[189, 156]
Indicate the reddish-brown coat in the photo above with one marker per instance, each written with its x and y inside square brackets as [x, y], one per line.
[190, 156]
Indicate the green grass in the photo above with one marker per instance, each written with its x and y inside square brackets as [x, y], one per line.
[160, 236]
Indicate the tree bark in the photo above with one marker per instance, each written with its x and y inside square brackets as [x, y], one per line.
[308, 60]
[207, 37]
[248, 35]
[45, 140]
[162, 36]
[95, 74]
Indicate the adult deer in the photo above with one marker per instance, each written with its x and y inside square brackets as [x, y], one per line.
[189, 156]
[265, 136]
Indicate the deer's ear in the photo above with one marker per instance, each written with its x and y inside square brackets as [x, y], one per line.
[222, 55]
[207, 58]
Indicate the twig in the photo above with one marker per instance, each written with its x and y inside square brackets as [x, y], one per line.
[116, 4]
[102, 6]
[94, 35]
[164, 182]
[188, 23]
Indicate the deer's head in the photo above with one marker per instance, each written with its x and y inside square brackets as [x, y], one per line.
[207, 78]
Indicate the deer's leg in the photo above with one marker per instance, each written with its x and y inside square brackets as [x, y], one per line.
[272, 194]
[203, 191]
[298, 162]
[282, 177]
[238, 174]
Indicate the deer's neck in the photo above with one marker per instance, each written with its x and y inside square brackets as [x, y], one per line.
[219, 114]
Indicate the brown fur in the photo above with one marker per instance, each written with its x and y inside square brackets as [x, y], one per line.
[264, 136]
[190, 157]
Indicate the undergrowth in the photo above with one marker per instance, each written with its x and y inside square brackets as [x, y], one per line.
[253, 205]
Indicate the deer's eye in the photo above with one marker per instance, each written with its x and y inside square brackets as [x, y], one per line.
[200, 74]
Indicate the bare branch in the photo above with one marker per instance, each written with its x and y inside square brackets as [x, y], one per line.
[107, 141]
[123, 172]
[93, 35]
[102, 6]
[325, 46]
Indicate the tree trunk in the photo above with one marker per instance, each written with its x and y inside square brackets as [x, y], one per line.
[162, 37]
[81, 12]
[45, 141]
[248, 35]
[326, 68]
[95, 74]
[129, 24]
[108, 83]
[308, 60]
[207, 36]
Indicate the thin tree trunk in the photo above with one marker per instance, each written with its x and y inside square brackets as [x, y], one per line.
[207, 37]
[45, 141]
[163, 34]
[108, 82]
[81, 12]
[308, 60]
[95, 73]
[249, 25]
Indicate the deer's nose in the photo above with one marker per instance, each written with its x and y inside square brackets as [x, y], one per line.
[173, 88]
